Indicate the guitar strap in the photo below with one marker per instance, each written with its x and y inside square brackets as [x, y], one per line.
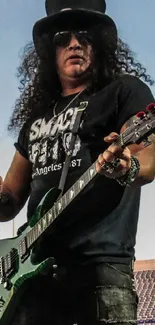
[74, 132]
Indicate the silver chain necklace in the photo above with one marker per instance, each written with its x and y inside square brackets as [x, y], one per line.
[73, 99]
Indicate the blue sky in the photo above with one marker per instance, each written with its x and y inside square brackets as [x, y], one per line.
[136, 26]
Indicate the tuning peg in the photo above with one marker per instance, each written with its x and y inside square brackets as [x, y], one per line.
[151, 108]
[141, 115]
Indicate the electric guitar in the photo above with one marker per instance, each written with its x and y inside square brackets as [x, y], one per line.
[16, 267]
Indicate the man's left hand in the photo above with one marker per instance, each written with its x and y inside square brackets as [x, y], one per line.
[119, 159]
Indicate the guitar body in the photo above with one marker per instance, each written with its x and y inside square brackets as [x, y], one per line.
[12, 290]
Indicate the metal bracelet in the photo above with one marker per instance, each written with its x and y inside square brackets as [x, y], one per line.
[132, 173]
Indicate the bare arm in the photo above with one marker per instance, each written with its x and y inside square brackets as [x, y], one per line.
[17, 185]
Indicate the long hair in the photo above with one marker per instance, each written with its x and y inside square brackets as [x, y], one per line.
[39, 82]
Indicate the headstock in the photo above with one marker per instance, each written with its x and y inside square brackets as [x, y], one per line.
[142, 127]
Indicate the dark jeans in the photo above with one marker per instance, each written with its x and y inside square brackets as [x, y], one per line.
[84, 296]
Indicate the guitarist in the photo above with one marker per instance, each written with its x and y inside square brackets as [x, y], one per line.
[78, 57]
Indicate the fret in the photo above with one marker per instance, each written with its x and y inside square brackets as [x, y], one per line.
[39, 224]
[54, 212]
[46, 218]
[39, 230]
[34, 234]
[87, 176]
[63, 202]
[66, 195]
[59, 206]
[76, 188]
[44, 221]
[29, 242]
[81, 184]
[71, 194]
[31, 236]
[50, 215]
[42, 224]
[92, 172]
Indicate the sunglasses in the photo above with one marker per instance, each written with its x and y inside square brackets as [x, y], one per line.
[62, 39]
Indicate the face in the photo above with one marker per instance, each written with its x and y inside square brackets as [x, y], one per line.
[74, 58]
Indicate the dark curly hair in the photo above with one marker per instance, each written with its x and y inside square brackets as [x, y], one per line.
[39, 82]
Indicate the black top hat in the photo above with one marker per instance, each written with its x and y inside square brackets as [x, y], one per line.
[67, 13]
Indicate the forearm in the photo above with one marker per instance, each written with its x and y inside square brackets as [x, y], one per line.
[147, 167]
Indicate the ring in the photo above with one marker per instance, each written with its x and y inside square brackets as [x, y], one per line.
[108, 167]
[116, 162]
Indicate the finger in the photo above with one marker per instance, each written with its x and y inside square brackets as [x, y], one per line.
[118, 162]
[98, 167]
[115, 150]
[108, 156]
[111, 137]
[125, 155]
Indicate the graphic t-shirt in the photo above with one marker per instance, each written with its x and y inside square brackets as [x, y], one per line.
[101, 223]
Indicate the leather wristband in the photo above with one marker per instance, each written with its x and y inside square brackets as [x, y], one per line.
[132, 173]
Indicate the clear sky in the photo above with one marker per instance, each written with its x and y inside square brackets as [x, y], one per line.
[136, 25]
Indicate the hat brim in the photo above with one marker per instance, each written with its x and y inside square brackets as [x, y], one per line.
[70, 18]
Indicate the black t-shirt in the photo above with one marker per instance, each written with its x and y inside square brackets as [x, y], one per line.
[101, 224]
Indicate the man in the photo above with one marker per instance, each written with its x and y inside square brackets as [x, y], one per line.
[78, 58]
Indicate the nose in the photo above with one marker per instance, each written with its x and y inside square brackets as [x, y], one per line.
[74, 44]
